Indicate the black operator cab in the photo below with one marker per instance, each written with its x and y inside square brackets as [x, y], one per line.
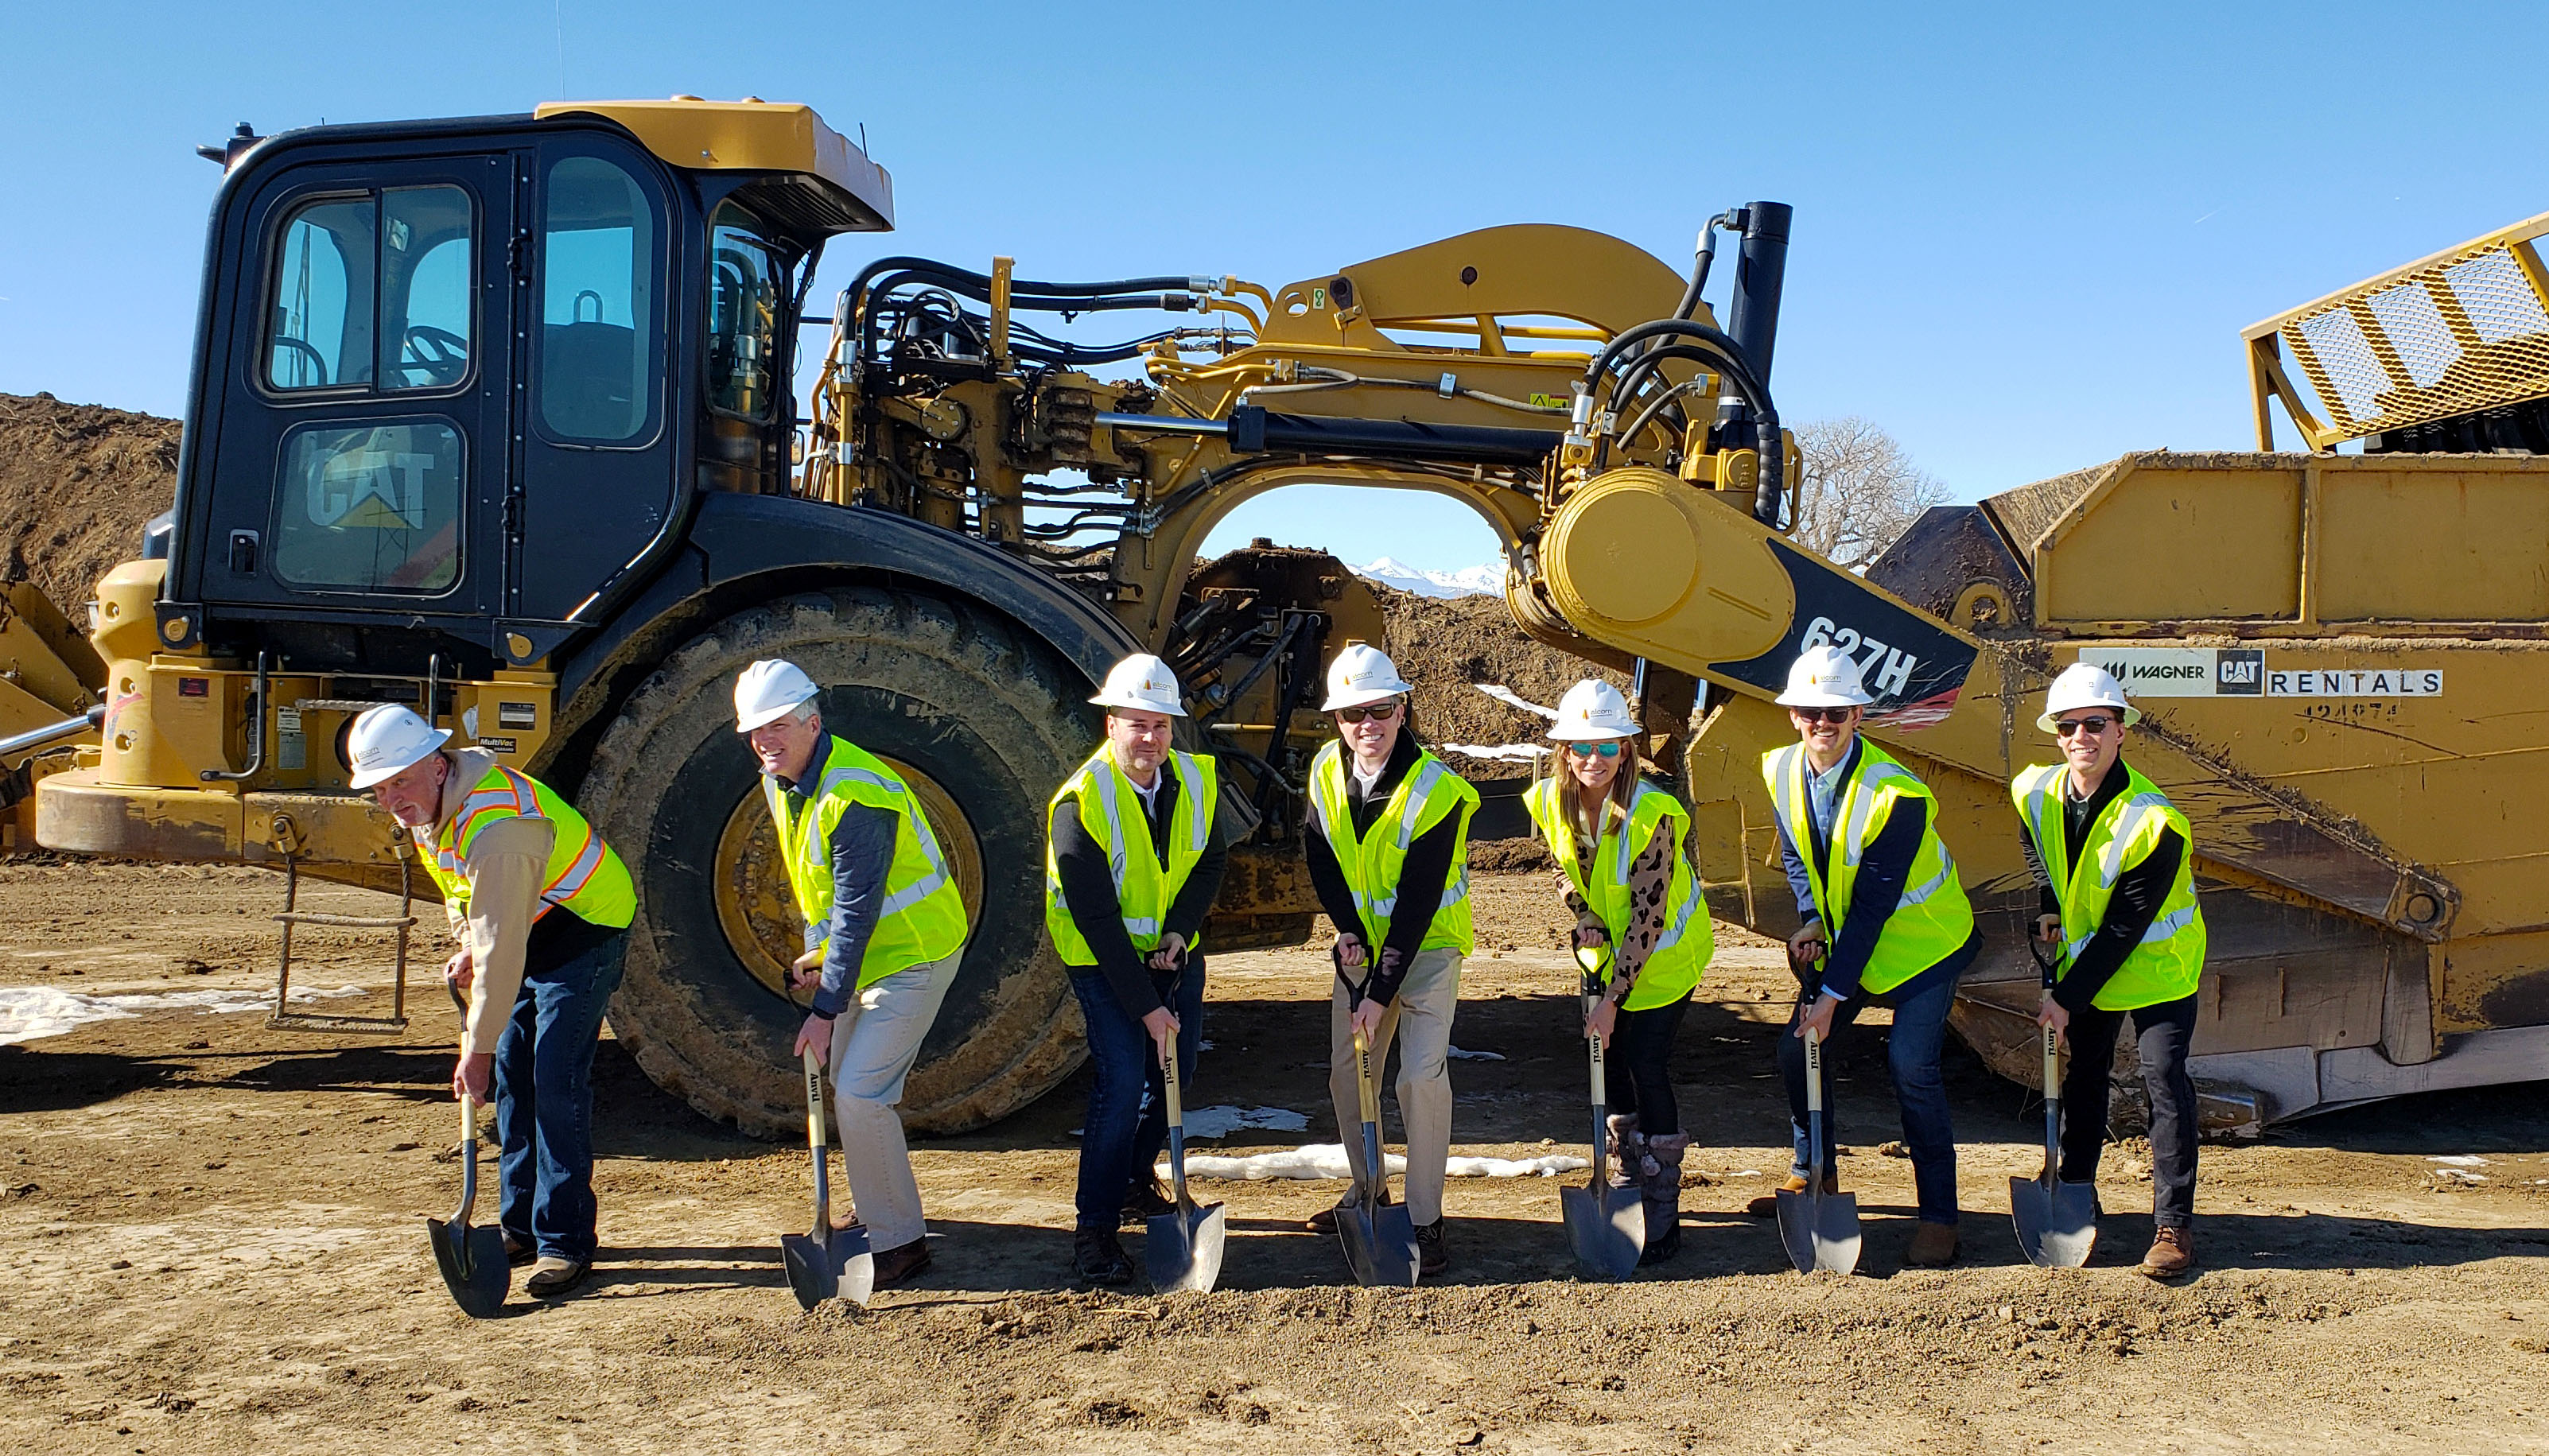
[459, 384]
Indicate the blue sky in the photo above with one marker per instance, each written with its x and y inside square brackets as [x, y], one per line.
[2026, 236]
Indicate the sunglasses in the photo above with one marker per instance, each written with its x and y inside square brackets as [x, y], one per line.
[1609, 750]
[2093, 725]
[1834, 716]
[1379, 712]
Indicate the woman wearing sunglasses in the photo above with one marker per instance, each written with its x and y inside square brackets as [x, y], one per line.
[1390, 864]
[1886, 921]
[1622, 870]
[2119, 904]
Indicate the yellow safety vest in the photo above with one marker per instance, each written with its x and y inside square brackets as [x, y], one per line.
[1429, 791]
[923, 918]
[1933, 919]
[1681, 953]
[583, 875]
[1111, 811]
[2169, 961]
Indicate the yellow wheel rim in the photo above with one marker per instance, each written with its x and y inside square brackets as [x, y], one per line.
[758, 910]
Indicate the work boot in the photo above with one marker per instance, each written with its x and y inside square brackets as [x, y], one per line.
[1146, 1198]
[1659, 1188]
[1628, 1149]
[1325, 1220]
[1932, 1246]
[1768, 1205]
[1097, 1258]
[2172, 1253]
[894, 1265]
[519, 1251]
[553, 1276]
[1431, 1257]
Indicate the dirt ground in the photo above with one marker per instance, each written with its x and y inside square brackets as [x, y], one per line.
[212, 1241]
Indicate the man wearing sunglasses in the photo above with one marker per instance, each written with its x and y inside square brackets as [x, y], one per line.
[2117, 904]
[1886, 922]
[1390, 864]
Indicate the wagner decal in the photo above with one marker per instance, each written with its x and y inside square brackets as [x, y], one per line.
[2158, 672]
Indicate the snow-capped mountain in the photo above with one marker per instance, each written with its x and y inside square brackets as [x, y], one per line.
[1468, 581]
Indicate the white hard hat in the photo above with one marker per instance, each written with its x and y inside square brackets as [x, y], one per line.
[387, 738]
[1143, 684]
[1592, 710]
[1823, 677]
[2085, 686]
[769, 691]
[1363, 673]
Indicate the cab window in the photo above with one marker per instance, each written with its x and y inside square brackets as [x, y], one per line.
[370, 507]
[374, 292]
[597, 345]
[743, 314]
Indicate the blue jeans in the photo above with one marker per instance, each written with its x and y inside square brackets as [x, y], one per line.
[1128, 1112]
[1911, 1054]
[544, 1102]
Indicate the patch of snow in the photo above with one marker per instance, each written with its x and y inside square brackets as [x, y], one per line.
[1513, 700]
[1328, 1160]
[1525, 751]
[1469, 581]
[1221, 1122]
[2457, 1160]
[28, 1013]
[1460, 1056]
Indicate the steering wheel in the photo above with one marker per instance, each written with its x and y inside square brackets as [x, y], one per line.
[440, 354]
[301, 348]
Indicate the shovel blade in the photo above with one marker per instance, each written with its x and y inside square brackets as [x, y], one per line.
[2057, 1221]
[1819, 1231]
[1606, 1228]
[853, 1264]
[472, 1261]
[1182, 1249]
[811, 1276]
[1380, 1244]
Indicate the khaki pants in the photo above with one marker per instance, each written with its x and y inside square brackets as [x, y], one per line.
[875, 1039]
[1421, 1018]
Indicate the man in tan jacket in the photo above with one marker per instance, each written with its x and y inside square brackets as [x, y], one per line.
[540, 907]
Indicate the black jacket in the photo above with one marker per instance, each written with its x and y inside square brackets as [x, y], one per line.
[2140, 892]
[1089, 891]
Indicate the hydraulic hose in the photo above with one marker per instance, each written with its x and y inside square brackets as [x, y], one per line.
[1705, 344]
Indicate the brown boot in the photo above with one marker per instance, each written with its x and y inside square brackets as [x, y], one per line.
[1660, 1190]
[1325, 1220]
[894, 1265]
[2172, 1253]
[1932, 1246]
[1768, 1205]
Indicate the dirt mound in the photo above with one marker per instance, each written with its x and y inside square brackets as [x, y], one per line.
[77, 483]
[1448, 646]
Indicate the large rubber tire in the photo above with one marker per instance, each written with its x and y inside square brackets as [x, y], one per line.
[945, 689]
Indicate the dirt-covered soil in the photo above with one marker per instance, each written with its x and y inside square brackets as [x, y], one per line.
[77, 481]
[1445, 647]
[212, 1242]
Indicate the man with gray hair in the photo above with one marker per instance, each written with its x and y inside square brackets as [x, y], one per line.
[885, 929]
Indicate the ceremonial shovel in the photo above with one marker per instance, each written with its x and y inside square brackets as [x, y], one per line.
[2057, 1221]
[1182, 1246]
[1605, 1226]
[1379, 1242]
[1820, 1230]
[472, 1260]
[828, 1263]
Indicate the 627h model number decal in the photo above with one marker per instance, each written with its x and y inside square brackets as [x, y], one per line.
[1912, 665]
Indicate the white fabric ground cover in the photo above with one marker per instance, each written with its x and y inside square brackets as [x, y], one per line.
[1328, 1160]
[28, 1013]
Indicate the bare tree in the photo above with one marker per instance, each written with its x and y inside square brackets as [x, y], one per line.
[1856, 490]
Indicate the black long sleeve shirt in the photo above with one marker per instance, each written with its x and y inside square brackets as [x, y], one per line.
[1089, 891]
[1874, 894]
[1421, 875]
[2140, 892]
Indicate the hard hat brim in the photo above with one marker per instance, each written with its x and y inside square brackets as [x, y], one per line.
[1811, 698]
[769, 715]
[2044, 721]
[367, 778]
[1363, 696]
[1587, 733]
[1120, 700]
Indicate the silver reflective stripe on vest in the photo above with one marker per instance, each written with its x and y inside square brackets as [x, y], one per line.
[1103, 776]
[1418, 790]
[2168, 924]
[2111, 859]
[1199, 820]
[1864, 797]
[1681, 917]
[910, 894]
[1788, 787]
[1937, 882]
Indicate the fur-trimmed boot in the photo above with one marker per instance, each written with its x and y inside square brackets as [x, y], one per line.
[1660, 1186]
[1628, 1152]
